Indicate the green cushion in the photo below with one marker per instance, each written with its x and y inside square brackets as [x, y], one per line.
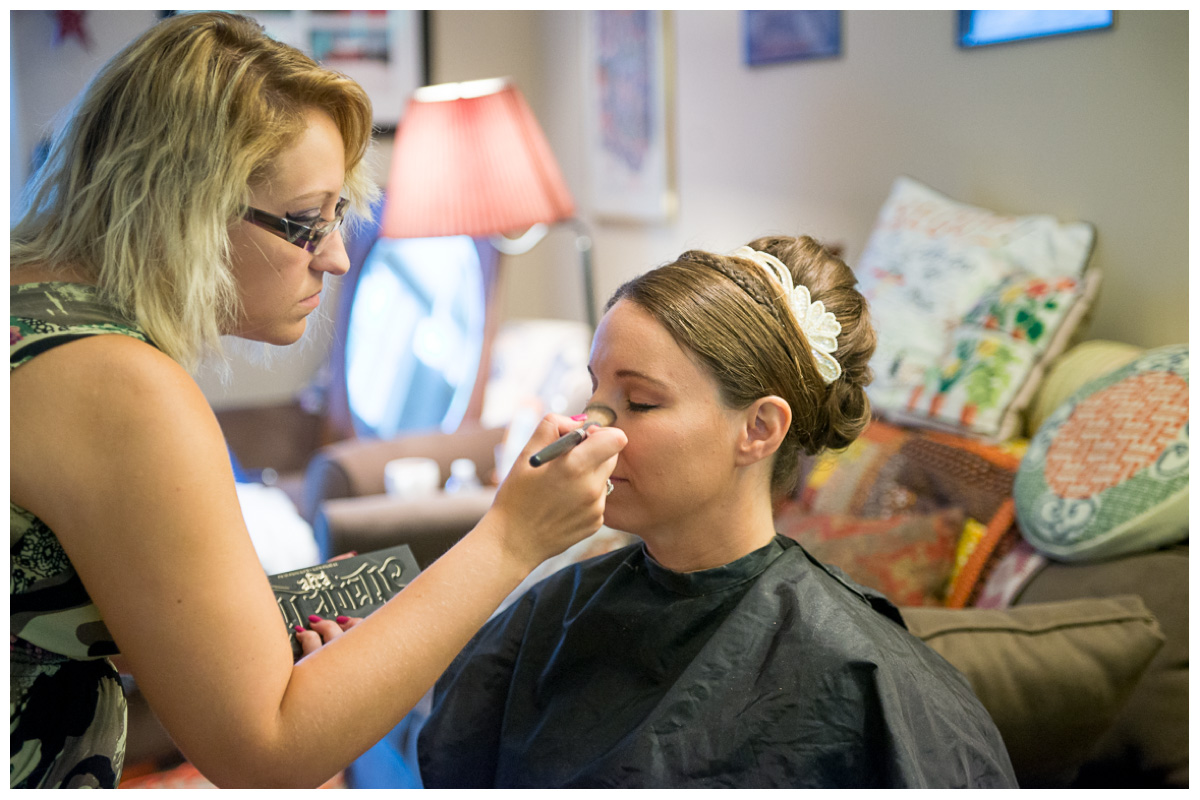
[1107, 473]
[1053, 676]
[1147, 745]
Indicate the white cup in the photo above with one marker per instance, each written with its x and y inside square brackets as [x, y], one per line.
[409, 478]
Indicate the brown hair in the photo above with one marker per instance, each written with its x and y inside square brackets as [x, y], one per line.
[732, 316]
[140, 186]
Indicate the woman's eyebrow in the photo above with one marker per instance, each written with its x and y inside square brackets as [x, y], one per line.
[315, 196]
[632, 373]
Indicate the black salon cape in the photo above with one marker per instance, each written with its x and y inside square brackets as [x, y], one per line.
[772, 671]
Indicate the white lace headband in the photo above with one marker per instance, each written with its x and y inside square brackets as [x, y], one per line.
[820, 327]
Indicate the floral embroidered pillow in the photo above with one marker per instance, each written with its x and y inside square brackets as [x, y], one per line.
[998, 353]
[944, 281]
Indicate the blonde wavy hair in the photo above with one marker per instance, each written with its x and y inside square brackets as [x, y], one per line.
[141, 185]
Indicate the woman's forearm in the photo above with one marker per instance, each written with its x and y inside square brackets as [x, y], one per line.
[395, 654]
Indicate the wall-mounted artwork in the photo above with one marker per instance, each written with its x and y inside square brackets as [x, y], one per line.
[977, 28]
[775, 36]
[383, 50]
[628, 98]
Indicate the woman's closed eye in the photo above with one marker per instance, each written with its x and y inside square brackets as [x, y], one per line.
[638, 407]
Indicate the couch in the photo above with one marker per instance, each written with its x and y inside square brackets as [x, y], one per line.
[344, 495]
[1083, 664]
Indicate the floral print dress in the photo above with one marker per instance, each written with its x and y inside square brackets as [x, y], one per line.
[66, 705]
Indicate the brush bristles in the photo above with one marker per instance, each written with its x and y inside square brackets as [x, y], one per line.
[600, 414]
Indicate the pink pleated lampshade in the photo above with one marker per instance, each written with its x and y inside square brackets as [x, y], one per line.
[471, 159]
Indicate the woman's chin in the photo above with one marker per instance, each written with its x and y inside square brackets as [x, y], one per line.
[620, 520]
[280, 335]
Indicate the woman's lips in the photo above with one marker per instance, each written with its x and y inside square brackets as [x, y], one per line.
[312, 301]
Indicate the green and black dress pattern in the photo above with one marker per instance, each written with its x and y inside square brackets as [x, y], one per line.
[66, 706]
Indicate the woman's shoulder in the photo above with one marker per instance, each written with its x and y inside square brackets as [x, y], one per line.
[840, 621]
[111, 360]
[837, 616]
[828, 580]
[106, 396]
[104, 418]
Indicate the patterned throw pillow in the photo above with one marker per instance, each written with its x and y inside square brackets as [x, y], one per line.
[1082, 363]
[891, 471]
[969, 305]
[908, 557]
[1107, 473]
[997, 354]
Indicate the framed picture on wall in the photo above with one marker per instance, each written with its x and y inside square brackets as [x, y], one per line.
[775, 36]
[385, 51]
[977, 28]
[628, 96]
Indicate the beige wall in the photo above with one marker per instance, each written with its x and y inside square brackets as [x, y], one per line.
[45, 78]
[1091, 127]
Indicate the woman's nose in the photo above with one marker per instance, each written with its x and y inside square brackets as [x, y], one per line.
[332, 257]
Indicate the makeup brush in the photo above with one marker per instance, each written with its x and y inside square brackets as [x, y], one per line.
[596, 414]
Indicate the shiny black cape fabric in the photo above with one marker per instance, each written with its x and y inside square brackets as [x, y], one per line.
[772, 671]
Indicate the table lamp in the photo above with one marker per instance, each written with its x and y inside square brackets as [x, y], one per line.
[470, 159]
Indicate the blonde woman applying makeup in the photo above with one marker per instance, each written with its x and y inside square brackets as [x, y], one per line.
[198, 191]
[715, 653]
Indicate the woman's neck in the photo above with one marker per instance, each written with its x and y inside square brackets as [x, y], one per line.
[715, 539]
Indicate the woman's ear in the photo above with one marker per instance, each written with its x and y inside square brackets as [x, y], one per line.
[767, 422]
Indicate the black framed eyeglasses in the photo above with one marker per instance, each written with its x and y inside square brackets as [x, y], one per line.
[309, 238]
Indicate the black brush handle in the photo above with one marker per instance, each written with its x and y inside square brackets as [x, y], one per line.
[560, 445]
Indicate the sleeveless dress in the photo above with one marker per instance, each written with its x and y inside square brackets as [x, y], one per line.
[66, 705]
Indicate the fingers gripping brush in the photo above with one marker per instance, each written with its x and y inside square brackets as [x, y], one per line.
[596, 415]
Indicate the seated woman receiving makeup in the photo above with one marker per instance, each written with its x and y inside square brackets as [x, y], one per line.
[714, 653]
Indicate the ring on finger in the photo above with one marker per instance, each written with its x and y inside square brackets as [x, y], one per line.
[609, 487]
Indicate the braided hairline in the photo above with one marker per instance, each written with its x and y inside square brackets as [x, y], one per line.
[759, 289]
[756, 289]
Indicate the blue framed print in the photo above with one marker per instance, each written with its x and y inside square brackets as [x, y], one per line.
[979, 28]
[775, 36]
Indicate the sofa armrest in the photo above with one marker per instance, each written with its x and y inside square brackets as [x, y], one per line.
[354, 468]
[430, 525]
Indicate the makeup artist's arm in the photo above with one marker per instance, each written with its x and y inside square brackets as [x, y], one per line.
[134, 478]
